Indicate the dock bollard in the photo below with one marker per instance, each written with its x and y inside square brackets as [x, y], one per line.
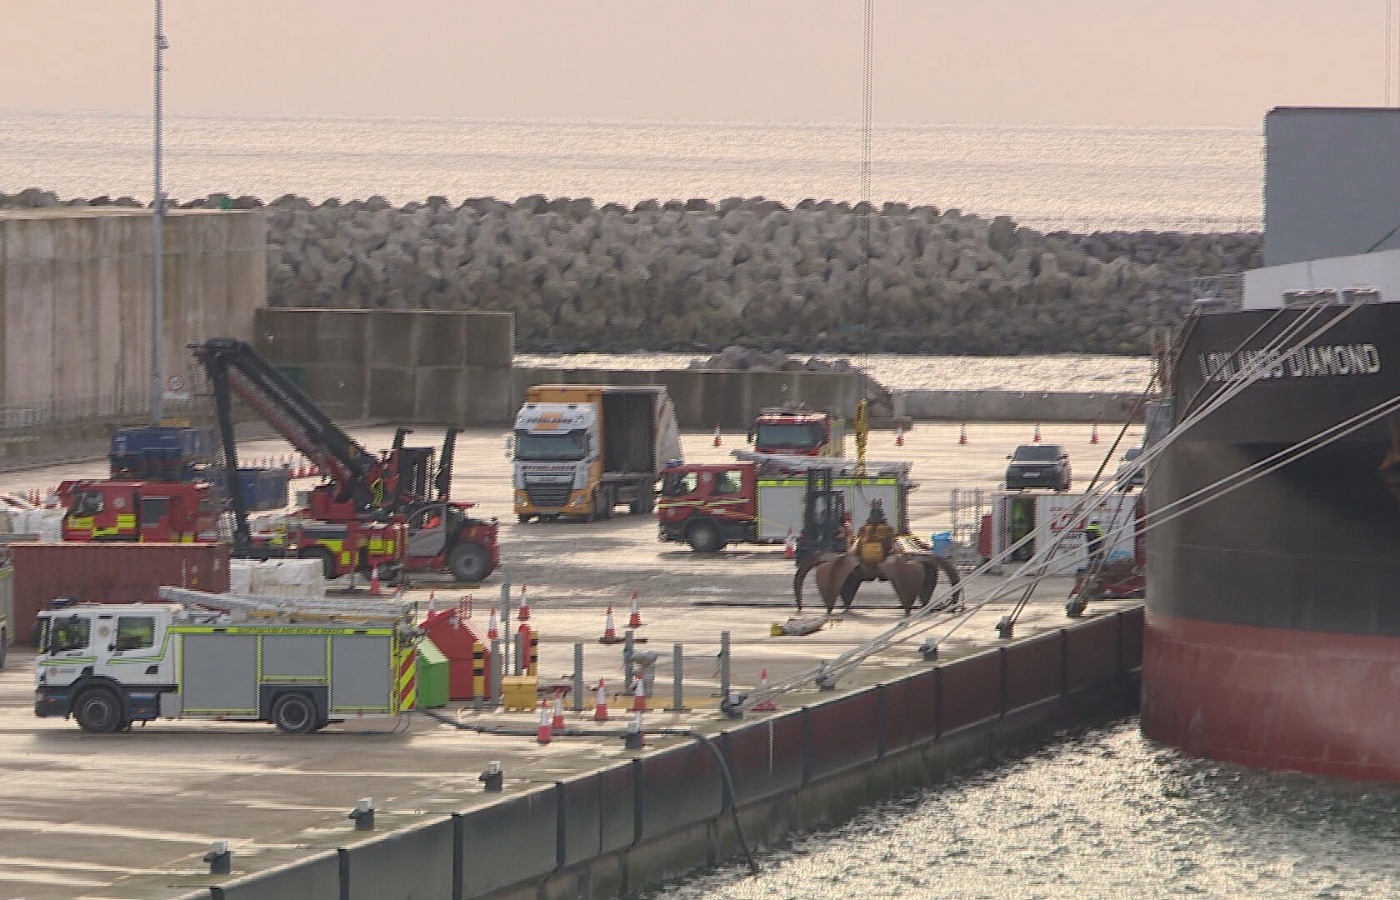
[219, 858]
[493, 778]
[578, 677]
[634, 739]
[677, 678]
[724, 664]
[363, 814]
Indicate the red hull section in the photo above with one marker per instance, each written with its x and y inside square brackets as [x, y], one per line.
[1304, 701]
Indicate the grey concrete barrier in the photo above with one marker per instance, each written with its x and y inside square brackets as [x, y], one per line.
[1035, 670]
[1093, 651]
[509, 842]
[597, 814]
[765, 758]
[1019, 406]
[405, 865]
[677, 787]
[909, 711]
[970, 692]
[314, 878]
[843, 734]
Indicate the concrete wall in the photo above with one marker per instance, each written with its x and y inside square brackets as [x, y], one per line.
[76, 299]
[634, 824]
[1018, 406]
[411, 366]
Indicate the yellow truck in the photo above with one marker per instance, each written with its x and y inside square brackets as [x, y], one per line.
[582, 449]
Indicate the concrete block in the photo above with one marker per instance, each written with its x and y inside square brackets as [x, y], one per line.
[340, 390]
[392, 392]
[509, 842]
[404, 865]
[489, 340]
[765, 758]
[307, 337]
[441, 339]
[970, 691]
[844, 733]
[676, 787]
[314, 878]
[488, 396]
[391, 334]
[1093, 652]
[1035, 669]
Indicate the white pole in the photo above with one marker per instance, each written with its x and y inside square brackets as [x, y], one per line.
[157, 254]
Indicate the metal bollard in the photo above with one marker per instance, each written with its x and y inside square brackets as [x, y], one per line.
[498, 673]
[578, 677]
[522, 651]
[505, 622]
[363, 814]
[219, 858]
[724, 665]
[493, 779]
[627, 665]
[678, 679]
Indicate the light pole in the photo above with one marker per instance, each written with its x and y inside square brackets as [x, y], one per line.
[157, 254]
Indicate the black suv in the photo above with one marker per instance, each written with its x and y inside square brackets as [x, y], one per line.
[1039, 465]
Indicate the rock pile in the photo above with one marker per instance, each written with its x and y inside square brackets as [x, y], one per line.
[696, 275]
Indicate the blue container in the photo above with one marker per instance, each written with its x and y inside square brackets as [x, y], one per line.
[942, 542]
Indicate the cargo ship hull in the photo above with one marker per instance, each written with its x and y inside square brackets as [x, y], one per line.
[1273, 621]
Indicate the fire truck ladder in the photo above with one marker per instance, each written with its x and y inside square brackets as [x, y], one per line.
[323, 609]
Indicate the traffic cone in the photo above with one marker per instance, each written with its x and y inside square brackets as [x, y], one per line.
[523, 613]
[790, 546]
[557, 723]
[899, 436]
[493, 628]
[1036, 438]
[432, 602]
[717, 440]
[962, 433]
[635, 619]
[639, 696]
[544, 734]
[374, 587]
[1094, 435]
[609, 630]
[600, 709]
[767, 705]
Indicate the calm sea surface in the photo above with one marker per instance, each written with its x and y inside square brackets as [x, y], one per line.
[1053, 176]
[1102, 814]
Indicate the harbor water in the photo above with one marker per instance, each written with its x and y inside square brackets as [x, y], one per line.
[1100, 815]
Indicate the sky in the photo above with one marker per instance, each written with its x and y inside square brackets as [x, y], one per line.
[1092, 62]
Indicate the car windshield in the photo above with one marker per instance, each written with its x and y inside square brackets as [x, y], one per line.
[1032, 453]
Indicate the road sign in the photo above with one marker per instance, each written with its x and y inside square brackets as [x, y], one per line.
[177, 388]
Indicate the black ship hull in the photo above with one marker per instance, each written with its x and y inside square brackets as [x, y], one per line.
[1273, 626]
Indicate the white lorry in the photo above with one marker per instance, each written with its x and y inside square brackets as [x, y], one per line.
[298, 664]
[1016, 514]
[581, 449]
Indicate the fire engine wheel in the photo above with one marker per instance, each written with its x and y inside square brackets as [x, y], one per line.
[98, 710]
[327, 561]
[703, 537]
[295, 714]
[469, 562]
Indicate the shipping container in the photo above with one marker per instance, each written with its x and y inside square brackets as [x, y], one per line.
[109, 573]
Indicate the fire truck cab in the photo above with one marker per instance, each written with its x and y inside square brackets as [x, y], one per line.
[169, 512]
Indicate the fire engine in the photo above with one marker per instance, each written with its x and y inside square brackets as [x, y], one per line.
[796, 430]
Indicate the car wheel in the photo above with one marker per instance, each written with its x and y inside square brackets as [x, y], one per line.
[98, 710]
[294, 714]
[703, 537]
[469, 561]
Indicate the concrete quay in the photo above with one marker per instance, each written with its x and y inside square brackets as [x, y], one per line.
[131, 815]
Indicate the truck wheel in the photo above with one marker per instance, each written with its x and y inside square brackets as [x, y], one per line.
[522, 518]
[703, 537]
[469, 562]
[98, 710]
[3, 638]
[645, 504]
[606, 501]
[327, 561]
[294, 714]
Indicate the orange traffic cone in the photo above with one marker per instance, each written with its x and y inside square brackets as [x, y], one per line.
[609, 630]
[523, 613]
[639, 696]
[1036, 438]
[767, 705]
[600, 709]
[1094, 435]
[374, 588]
[635, 619]
[790, 546]
[557, 723]
[899, 436]
[544, 734]
[962, 433]
[717, 440]
[493, 628]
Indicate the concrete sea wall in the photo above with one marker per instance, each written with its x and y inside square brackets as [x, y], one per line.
[632, 825]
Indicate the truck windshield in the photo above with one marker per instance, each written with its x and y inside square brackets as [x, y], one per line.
[63, 633]
[787, 435]
[554, 445]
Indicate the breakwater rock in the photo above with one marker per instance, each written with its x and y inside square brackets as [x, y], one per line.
[699, 275]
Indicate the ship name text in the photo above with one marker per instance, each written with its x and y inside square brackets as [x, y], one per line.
[1304, 362]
